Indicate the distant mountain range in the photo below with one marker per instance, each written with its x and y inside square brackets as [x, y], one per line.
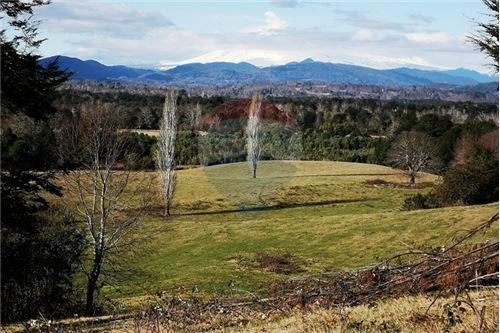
[226, 73]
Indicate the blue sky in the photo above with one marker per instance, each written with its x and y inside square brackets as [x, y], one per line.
[166, 33]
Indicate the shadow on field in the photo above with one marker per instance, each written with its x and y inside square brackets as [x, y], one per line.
[343, 175]
[275, 207]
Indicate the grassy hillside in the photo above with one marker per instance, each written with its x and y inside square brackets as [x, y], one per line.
[322, 213]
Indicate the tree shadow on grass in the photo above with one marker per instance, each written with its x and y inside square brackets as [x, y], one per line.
[275, 207]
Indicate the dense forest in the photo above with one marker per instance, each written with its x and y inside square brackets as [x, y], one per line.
[211, 128]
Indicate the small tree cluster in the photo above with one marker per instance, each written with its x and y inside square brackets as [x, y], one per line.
[472, 179]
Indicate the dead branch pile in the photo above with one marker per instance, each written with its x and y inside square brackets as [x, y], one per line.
[452, 269]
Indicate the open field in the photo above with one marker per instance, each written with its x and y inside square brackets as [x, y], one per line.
[321, 213]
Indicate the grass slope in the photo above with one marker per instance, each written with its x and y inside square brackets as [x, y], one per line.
[321, 213]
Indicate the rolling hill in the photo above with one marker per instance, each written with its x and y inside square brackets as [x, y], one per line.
[226, 73]
[93, 70]
[321, 213]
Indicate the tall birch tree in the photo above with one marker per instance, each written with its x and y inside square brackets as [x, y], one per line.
[165, 154]
[252, 133]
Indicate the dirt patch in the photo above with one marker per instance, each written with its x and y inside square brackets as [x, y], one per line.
[283, 263]
[382, 183]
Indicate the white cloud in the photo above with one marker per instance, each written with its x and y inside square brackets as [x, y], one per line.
[383, 61]
[170, 46]
[272, 26]
[102, 18]
[429, 37]
[285, 3]
[155, 45]
[367, 35]
[133, 37]
[358, 18]
[422, 18]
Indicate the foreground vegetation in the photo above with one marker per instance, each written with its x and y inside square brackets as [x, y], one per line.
[404, 315]
[421, 313]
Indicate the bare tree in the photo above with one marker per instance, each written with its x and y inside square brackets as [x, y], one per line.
[414, 152]
[146, 118]
[107, 199]
[195, 116]
[467, 143]
[252, 131]
[462, 148]
[486, 38]
[165, 154]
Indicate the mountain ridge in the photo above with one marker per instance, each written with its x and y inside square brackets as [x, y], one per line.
[308, 70]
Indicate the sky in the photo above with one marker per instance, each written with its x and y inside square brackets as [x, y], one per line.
[162, 34]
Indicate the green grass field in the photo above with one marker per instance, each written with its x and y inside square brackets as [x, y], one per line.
[322, 213]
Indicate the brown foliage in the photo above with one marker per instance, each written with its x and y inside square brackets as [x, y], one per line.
[467, 143]
[239, 108]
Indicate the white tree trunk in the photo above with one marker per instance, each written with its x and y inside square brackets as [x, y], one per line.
[252, 131]
[165, 157]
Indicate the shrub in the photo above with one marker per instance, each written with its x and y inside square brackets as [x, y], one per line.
[475, 182]
[421, 201]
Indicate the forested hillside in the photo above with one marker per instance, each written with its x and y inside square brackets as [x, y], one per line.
[211, 128]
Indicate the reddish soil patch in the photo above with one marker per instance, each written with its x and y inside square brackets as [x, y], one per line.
[236, 109]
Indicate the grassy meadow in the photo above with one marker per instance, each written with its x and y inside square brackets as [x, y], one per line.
[322, 213]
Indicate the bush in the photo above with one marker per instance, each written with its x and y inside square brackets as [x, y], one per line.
[475, 182]
[421, 201]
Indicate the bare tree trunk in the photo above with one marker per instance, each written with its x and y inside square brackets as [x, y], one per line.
[165, 158]
[92, 282]
[412, 178]
[252, 131]
[194, 117]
